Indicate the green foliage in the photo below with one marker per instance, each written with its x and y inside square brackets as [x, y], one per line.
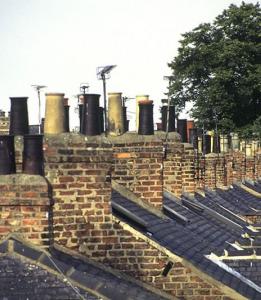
[218, 69]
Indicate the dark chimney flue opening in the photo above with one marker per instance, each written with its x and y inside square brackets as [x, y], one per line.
[146, 126]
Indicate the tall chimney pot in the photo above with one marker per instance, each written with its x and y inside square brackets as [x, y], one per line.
[115, 114]
[19, 124]
[54, 113]
[7, 155]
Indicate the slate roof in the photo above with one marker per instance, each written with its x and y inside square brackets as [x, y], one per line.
[249, 268]
[245, 202]
[256, 186]
[191, 233]
[28, 272]
[23, 280]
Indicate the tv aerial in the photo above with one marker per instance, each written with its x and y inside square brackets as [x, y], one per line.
[103, 73]
[125, 99]
[38, 89]
[84, 87]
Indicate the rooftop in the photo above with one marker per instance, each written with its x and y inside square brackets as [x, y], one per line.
[206, 231]
[28, 272]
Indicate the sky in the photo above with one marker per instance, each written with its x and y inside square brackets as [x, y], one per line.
[60, 44]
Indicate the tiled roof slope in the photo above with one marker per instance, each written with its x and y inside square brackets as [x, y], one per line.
[22, 280]
[249, 268]
[256, 186]
[37, 272]
[188, 240]
[244, 201]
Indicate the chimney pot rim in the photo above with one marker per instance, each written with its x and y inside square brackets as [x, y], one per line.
[54, 94]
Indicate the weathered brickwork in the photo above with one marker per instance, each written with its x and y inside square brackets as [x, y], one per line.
[216, 170]
[172, 168]
[79, 172]
[133, 255]
[178, 168]
[139, 167]
[188, 169]
[26, 208]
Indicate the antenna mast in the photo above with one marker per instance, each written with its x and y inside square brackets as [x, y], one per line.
[38, 89]
[103, 73]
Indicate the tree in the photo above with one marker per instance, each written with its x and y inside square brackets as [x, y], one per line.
[218, 69]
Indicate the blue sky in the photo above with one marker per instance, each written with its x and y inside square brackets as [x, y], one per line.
[60, 43]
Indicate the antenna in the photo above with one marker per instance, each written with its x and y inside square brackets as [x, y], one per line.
[38, 88]
[103, 73]
[125, 99]
[84, 87]
[170, 79]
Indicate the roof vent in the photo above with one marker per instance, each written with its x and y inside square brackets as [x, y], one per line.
[167, 269]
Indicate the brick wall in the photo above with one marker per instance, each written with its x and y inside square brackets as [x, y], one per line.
[79, 171]
[26, 208]
[172, 168]
[178, 168]
[133, 254]
[222, 170]
[138, 166]
[188, 169]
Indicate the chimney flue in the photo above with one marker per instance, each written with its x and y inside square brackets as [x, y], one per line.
[66, 115]
[138, 99]
[115, 114]
[80, 106]
[33, 155]
[182, 129]
[101, 114]
[54, 113]
[164, 116]
[7, 155]
[206, 141]
[124, 111]
[90, 115]
[19, 124]
[146, 126]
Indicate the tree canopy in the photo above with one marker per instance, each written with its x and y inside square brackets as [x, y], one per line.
[218, 69]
